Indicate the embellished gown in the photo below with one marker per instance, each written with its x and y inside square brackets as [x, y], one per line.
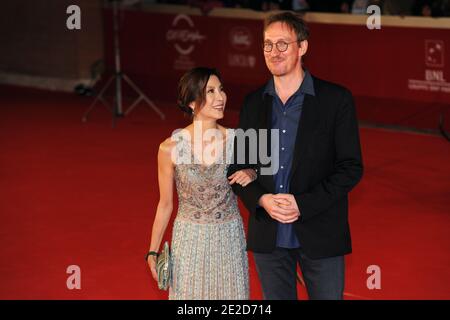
[208, 242]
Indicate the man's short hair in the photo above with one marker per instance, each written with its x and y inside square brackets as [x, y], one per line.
[293, 20]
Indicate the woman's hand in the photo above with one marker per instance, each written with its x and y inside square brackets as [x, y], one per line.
[243, 177]
[152, 264]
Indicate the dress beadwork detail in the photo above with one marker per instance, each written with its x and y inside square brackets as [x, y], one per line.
[208, 241]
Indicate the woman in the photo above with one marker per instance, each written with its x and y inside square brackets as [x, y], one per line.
[208, 245]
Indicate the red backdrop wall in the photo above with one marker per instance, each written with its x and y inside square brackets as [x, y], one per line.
[407, 64]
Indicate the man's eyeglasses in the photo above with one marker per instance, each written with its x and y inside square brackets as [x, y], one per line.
[281, 45]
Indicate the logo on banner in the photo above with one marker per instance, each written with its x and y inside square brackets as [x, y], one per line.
[241, 40]
[434, 78]
[184, 37]
[434, 53]
[241, 60]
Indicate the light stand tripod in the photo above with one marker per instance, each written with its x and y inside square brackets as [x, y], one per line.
[118, 76]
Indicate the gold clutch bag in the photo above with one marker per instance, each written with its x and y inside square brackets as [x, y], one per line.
[164, 267]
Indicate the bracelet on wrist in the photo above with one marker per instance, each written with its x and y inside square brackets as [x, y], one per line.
[151, 253]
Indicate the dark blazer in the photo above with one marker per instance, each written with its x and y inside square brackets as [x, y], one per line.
[327, 164]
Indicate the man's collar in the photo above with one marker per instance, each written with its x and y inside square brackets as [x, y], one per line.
[307, 86]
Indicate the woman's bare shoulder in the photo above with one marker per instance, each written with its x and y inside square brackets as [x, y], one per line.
[166, 147]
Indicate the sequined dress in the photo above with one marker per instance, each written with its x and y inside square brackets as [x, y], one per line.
[208, 241]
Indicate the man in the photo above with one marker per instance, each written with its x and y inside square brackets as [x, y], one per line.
[299, 214]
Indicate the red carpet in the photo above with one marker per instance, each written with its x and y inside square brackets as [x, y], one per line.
[85, 194]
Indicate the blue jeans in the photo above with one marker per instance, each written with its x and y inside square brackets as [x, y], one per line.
[324, 278]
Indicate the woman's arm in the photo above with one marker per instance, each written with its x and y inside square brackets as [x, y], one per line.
[165, 205]
[243, 177]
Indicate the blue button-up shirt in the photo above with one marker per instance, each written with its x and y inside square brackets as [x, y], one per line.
[285, 118]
